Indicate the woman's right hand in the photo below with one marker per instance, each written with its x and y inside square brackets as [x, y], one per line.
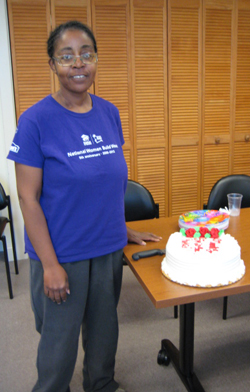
[56, 284]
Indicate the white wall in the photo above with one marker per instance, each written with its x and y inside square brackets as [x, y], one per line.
[7, 130]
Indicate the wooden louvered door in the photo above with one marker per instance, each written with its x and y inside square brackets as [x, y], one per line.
[132, 73]
[111, 25]
[179, 73]
[29, 22]
[149, 69]
[65, 10]
[241, 152]
[218, 89]
[184, 62]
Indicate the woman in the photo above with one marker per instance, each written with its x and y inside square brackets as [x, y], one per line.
[71, 179]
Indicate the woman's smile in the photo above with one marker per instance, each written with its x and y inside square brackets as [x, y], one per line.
[79, 76]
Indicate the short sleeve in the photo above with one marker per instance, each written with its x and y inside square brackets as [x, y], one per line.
[26, 147]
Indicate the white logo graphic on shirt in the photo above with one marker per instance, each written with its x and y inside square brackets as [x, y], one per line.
[93, 151]
[85, 140]
[14, 147]
[97, 139]
[92, 139]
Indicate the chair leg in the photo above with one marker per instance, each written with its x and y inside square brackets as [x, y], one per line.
[176, 311]
[14, 248]
[7, 266]
[13, 237]
[224, 316]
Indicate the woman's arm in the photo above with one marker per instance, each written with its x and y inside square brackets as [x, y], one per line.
[29, 187]
[140, 237]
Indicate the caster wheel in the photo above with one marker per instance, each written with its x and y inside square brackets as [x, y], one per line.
[162, 358]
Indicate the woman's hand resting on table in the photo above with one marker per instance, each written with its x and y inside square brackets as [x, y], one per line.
[140, 237]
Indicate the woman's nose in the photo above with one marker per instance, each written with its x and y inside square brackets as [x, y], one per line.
[78, 62]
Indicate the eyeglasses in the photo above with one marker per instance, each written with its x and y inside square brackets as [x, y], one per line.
[67, 60]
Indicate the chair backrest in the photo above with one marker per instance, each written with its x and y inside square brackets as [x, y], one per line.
[235, 183]
[3, 198]
[139, 203]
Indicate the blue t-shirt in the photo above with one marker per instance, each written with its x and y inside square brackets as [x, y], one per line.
[84, 175]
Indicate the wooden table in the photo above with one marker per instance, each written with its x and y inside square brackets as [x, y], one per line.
[164, 293]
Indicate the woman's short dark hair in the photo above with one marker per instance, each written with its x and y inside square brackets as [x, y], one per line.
[59, 30]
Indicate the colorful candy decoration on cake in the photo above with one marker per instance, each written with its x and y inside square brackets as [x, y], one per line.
[203, 232]
[204, 218]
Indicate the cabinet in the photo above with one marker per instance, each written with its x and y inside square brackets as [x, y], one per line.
[226, 97]
[241, 108]
[132, 73]
[185, 110]
[179, 73]
[219, 54]
[29, 23]
[208, 97]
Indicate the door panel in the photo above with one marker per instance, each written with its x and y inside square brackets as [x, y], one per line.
[29, 24]
[218, 88]
[184, 59]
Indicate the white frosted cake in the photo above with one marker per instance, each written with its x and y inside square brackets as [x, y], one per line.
[203, 258]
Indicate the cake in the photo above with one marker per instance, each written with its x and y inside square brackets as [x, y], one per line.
[207, 218]
[203, 257]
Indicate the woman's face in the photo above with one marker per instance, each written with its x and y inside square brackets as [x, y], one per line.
[78, 77]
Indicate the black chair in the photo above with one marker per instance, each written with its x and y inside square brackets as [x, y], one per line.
[140, 205]
[234, 183]
[5, 202]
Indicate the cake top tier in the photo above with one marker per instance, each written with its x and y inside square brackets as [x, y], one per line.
[204, 218]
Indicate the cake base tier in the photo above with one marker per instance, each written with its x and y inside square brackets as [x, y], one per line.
[203, 286]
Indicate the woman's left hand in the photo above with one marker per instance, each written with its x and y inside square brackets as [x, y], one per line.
[140, 237]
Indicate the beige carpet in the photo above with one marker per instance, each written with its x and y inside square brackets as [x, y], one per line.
[222, 348]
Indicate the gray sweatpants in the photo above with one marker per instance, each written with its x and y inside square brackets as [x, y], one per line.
[95, 286]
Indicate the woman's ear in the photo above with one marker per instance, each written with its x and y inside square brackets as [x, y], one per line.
[52, 65]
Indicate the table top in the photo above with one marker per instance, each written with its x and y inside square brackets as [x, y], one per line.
[162, 291]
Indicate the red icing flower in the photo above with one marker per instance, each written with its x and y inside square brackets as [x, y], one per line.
[203, 231]
[190, 232]
[214, 233]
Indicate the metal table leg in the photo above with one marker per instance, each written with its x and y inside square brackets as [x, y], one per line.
[183, 358]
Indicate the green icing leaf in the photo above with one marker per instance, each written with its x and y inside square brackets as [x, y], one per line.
[183, 232]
